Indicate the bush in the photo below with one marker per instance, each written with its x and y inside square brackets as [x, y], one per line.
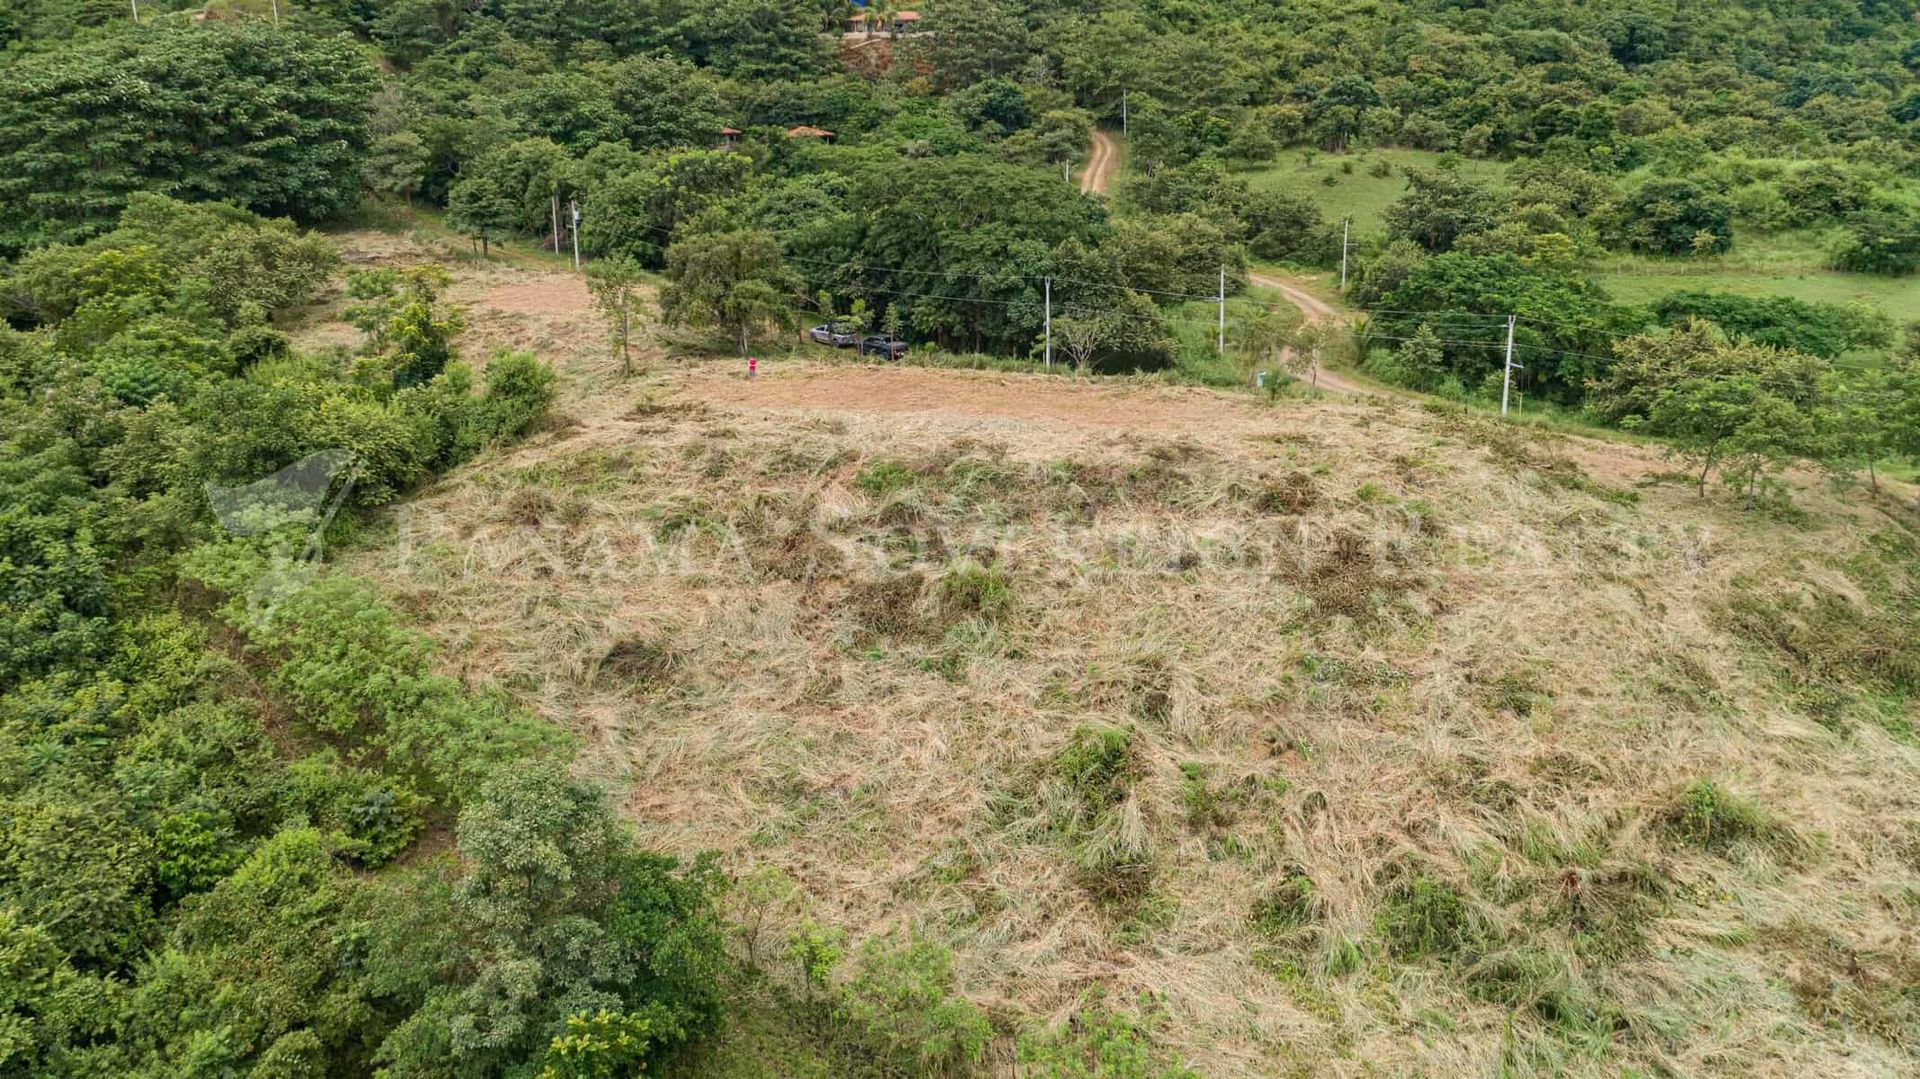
[368, 818]
[1097, 1043]
[355, 674]
[519, 389]
[1098, 765]
[1285, 225]
[1823, 192]
[884, 477]
[1666, 217]
[1110, 846]
[1818, 329]
[1285, 907]
[901, 1004]
[1884, 241]
[970, 590]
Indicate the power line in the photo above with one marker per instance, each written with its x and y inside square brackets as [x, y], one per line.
[1162, 318]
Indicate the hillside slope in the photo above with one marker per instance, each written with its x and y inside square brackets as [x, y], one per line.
[1329, 736]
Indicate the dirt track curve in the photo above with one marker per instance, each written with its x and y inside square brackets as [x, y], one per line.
[1315, 310]
[1101, 158]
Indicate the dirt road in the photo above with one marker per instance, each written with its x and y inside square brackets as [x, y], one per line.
[1102, 156]
[1315, 311]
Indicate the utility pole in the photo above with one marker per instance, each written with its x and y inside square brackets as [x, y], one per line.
[1346, 224]
[574, 206]
[1049, 323]
[1506, 376]
[136, 10]
[276, 12]
[1222, 343]
[1123, 114]
[556, 219]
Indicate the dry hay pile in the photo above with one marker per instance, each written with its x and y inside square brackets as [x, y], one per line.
[1339, 737]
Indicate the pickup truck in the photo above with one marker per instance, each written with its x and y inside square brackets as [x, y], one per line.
[891, 347]
[837, 334]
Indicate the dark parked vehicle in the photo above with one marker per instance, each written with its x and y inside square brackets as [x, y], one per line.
[837, 334]
[891, 347]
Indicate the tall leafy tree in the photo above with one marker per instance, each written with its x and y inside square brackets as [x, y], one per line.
[480, 206]
[733, 282]
[273, 120]
[1741, 409]
[1669, 216]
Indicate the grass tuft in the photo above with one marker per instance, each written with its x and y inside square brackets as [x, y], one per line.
[1423, 916]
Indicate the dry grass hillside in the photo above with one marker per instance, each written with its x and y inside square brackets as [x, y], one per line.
[1331, 737]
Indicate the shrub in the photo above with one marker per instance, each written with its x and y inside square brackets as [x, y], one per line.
[1541, 982]
[901, 1003]
[1099, 819]
[1822, 192]
[970, 590]
[1208, 807]
[355, 674]
[1664, 216]
[884, 477]
[369, 818]
[519, 389]
[1884, 241]
[1097, 1043]
[606, 1044]
[1818, 329]
[192, 851]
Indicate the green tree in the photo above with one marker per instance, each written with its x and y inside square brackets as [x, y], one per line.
[480, 207]
[736, 282]
[1264, 337]
[604, 1045]
[1421, 359]
[572, 108]
[614, 283]
[1819, 329]
[755, 39]
[667, 103]
[1287, 226]
[1882, 241]
[232, 111]
[968, 42]
[1665, 216]
[1567, 324]
[397, 165]
[1082, 337]
[1744, 410]
[1440, 207]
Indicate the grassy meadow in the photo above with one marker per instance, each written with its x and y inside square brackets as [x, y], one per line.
[1789, 263]
[1348, 185]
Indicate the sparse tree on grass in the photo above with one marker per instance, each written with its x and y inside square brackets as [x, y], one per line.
[890, 324]
[1303, 359]
[615, 285]
[1263, 340]
[1080, 337]
[1740, 409]
[1871, 416]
